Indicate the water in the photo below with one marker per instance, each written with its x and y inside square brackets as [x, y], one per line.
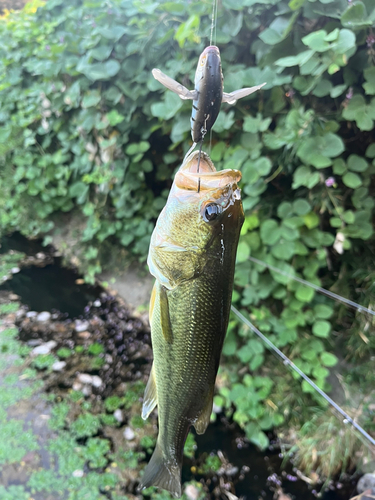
[48, 288]
[266, 469]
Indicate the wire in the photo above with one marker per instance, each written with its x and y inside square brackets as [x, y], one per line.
[288, 362]
[319, 289]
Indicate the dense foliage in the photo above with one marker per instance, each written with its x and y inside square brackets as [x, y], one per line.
[86, 130]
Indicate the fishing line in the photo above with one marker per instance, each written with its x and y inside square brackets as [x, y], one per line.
[288, 362]
[319, 289]
[213, 18]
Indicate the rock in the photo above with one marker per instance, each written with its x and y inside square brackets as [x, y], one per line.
[97, 303]
[44, 348]
[43, 316]
[367, 482]
[84, 335]
[81, 326]
[31, 314]
[34, 342]
[15, 270]
[129, 434]
[118, 415]
[77, 386]
[85, 378]
[58, 366]
[40, 256]
[192, 492]
[87, 390]
[13, 296]
[216, 408]
[96, 381]
[20, 313]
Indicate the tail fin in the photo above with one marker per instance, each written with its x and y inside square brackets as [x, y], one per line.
[162, 474]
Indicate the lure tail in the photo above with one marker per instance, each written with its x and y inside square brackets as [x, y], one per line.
[162, 474]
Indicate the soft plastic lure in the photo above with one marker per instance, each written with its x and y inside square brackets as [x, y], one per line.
[208, 93]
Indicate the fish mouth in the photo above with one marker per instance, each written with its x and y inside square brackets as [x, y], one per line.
[208, 177]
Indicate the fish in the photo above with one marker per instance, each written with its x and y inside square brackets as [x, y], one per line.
[192, 257]
[208, 92]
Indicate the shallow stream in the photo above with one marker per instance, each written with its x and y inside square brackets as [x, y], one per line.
[103, 339]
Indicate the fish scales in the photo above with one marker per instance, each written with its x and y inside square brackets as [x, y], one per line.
[193, 261]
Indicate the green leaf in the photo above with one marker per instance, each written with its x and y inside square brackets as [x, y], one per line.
[114, 117]
[370, 151]
[352, 180]
[304, 293]
[303, 176]
[91, 99]
[278, 30]
[270, 232]
[99, 71]
[328, 359]
[323, 311]
[187, 30]
[321, 328]
[168, 107]
[284, 210]
[319, 150]
[283, 250]
[299, 59]
[311, 220]
[301, 207]
[355, 16]
[357, 163]
[358, 110]
[316, 41]
[338, 90]
[243, 251]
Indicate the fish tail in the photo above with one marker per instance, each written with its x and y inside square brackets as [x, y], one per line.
[162, 474]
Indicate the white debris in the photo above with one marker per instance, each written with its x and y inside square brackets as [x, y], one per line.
[129, 434]
[118, 415]
[43, 316]
[15, 270]
[44, 348]
[339, 243]
[81, 326]
[78, 473]
[58, 366]
[77, 386]
[192, 492]
[96, 381]
[97, 303]
[85, 378]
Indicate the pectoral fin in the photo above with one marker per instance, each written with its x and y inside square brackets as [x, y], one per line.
[233, 97]
[150, 399]
[174, 86]
[152, 303]
[166, 326]
[204, 418]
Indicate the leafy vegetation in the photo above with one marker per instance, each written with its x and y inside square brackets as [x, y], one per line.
[86, 131]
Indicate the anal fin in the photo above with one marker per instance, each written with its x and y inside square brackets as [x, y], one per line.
[150, 399]
[203, 420]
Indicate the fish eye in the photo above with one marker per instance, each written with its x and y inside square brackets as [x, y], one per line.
[211, 212]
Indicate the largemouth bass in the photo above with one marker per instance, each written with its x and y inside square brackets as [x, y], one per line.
[192, 256]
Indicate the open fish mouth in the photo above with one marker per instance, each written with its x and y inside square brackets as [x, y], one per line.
[208, 177]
